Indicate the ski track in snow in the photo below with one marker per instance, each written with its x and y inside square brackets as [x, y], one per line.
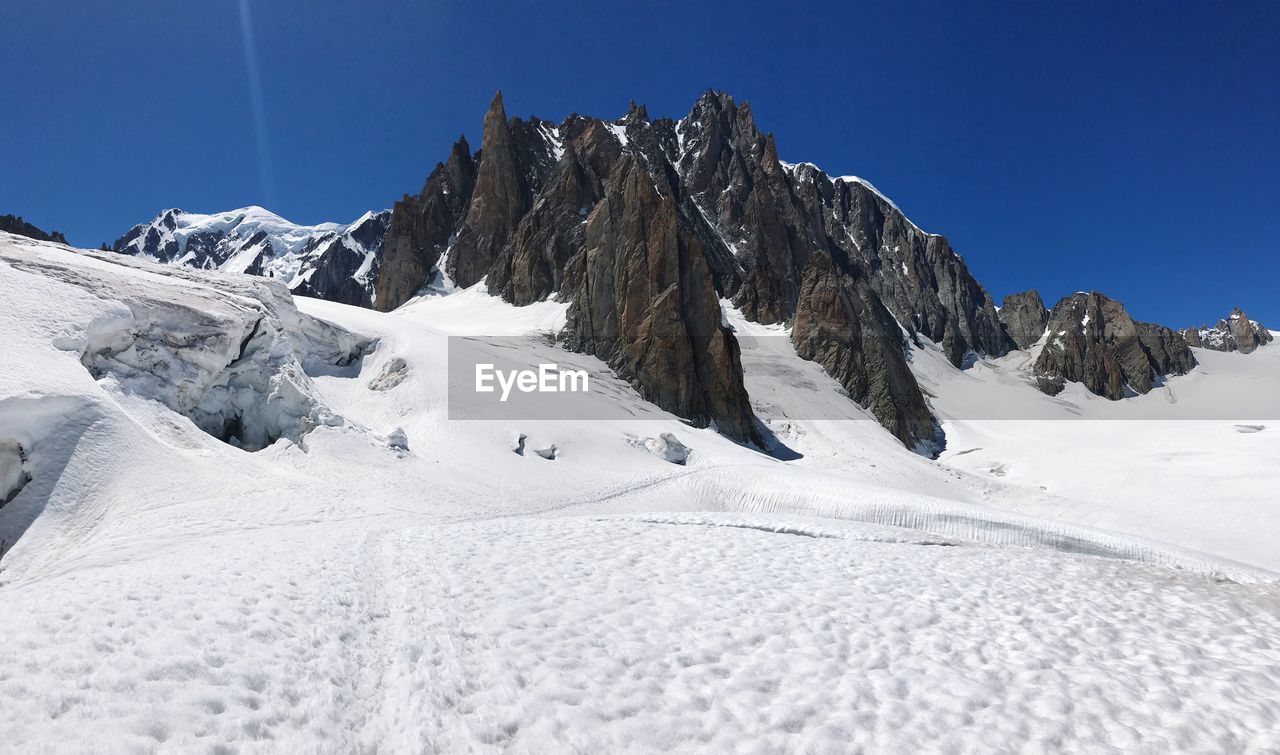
[170, 593]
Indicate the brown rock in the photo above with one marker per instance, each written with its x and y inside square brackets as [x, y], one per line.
[646, 305]
[497, 203]
[421, 227]
[841, 325]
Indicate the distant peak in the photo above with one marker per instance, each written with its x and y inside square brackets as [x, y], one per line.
[636, 113]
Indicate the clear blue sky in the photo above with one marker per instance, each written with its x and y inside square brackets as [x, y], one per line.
[1129, 147]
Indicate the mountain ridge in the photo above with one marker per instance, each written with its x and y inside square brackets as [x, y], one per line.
[332, 261]
[536, 213]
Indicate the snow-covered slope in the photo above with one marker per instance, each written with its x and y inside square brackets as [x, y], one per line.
[313, 260]
[1191, 462]
[394, 580]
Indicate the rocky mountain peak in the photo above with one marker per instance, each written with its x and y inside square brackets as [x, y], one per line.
[636, 114]
[1024, 317]
[599, 213]
[1236, 332]
[1092, 340]
[329, 260]
[498, 200]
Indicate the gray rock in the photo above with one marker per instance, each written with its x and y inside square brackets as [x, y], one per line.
[1235, 333]
[841, 325]
[421, 228]
[501, 196]
[334, 269]
[1024, 318]
[398, 440]
[668, 448]
[1093, 341]
[644, 303]
[393, 373]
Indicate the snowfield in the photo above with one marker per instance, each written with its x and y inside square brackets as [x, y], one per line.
[380, 578]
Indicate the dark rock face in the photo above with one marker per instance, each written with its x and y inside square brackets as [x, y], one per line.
[16, 225]
[501, 197]
[923, 283]
[1093, 341]
[645, 303]
[1024, 318]
[551, 214]
[1235, 333]
[422, 227]
[538, 261]
[1165, 349]
[344, 268]
[841, 324]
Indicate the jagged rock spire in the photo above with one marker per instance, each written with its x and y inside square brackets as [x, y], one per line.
[497, 202]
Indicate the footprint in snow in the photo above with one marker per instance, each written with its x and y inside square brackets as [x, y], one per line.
[1250, 428]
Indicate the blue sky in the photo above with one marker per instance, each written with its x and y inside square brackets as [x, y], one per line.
[1132, 148]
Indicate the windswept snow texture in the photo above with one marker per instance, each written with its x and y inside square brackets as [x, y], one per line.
[399, 582]
[313, 260]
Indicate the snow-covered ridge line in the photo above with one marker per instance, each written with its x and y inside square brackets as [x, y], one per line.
[337, 261]
[246, 221]
[793, 167]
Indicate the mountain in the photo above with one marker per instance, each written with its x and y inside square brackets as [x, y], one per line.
[1024, 318]
[654, 232]
[1235, 333]
[236, 516]
[639, 223]
[1092, 340]
[16, 225]
[328, 261]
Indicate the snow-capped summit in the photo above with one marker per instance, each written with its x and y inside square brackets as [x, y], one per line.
[330, 260]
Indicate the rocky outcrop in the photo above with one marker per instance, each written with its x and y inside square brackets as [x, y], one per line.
[16, 225]
[1235, 333]
[1165, 349]
[503, 192]
[1024, 318]
[344, 268]
[549, 238]
[422, 227]
[773, 216]
[841, 324]
[748, 223]
[1092, 340]
[644, 302]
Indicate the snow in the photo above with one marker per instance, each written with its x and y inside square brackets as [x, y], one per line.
[808, 172]
[1171, 465]
[619, 131]
[12, 475]
[291, 245]
[400, 582]
[552, 136]
[869, 187]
